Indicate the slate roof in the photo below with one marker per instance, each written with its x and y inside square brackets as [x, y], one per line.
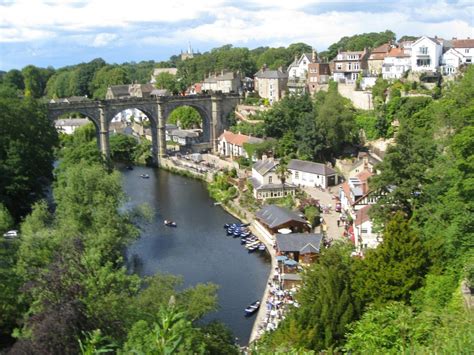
[291, 277]
[310, 167]
[303, 243]
[184, 133]
[271, 74]
[258, 186]
[119, 90]
[274, 216]
[264, 166]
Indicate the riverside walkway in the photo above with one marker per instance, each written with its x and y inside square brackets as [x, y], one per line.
[259, 231]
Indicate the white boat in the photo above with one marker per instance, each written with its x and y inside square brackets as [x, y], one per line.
[252, 308]
[145, 176]
[170, 223]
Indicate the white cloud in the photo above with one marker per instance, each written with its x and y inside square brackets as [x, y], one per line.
[268, 22]
[103, 39]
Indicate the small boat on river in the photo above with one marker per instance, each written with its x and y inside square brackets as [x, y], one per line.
[145, 176]
[252, 308]
[170, 223]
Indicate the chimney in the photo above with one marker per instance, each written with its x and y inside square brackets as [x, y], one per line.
[314, 56]
[222, 72]
[264, 157]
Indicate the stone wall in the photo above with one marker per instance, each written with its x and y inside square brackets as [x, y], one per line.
[360, 99]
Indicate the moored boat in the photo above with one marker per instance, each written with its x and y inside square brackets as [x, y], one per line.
[170, 223]
[145, 176]
[252, 308]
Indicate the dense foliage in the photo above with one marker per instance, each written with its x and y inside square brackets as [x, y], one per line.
[65, 287]
[185, 117]
[27, 141]
[405, 295]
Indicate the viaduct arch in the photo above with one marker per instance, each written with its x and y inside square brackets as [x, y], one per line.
[214, 110]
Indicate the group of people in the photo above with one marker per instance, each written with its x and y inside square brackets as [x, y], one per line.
[277, 303]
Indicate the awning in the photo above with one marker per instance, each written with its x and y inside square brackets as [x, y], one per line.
[281, 258]
[291, 262]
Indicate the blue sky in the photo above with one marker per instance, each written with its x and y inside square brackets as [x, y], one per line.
[66, 32]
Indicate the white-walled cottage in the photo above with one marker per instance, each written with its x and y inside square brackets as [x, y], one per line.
[307, 173]
[266, 182]
[426, 54]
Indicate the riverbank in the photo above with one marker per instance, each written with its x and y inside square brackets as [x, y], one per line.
[245, 217]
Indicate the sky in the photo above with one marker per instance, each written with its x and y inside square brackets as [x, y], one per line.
[66, 32]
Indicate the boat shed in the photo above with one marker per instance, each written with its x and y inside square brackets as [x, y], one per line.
[302, 247]
[275, 217]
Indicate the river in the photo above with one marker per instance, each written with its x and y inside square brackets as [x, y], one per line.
[198, 249]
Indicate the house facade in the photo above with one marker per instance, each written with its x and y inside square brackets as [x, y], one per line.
[297, 74]
[306, 173]
[132, 90]
[271, 84]
[319, 74]
[364, 235]
[376, 59]
[231, 144]
[68, 126]
[266, 182]
[225, 82]
[348, 66]
[396, 63]
[458, 52]
[426, 54]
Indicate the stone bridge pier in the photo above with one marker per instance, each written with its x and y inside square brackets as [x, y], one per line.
[214, 110]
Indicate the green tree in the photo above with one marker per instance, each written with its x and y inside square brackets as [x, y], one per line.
[15, 79]
[395, 269]
[171, 333]
[185, 117]
[33, 81]
[327, 305]
[122, 147]
[6, 220]
[105, 77]
[166, 81]
[27, 140]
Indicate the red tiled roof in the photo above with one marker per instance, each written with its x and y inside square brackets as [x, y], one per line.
[397, 52]
[384, 48]
[364, 175]
[362, 215]
[235, 139]
[463, 43]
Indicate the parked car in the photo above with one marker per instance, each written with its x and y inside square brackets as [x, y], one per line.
[11, 234]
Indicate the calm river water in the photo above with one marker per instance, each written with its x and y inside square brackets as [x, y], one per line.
[198, 249]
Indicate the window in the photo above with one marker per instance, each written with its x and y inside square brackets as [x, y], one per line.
[423, 62]
[423, 50]
[466, 50]
[297, 174]
[363, 231]
[270, 178]
[349, 66]
[339, 66]
[356, 66]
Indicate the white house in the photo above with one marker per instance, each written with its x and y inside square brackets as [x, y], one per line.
[307, 173]
[459, 52]
[226, 82]
[297, 73]
[232, 145]
[396, 63]
[364, 235]
[426, 54]
[451, 61]
[68, 126]
[266, 182]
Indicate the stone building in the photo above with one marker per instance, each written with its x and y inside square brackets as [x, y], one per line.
[271, 84]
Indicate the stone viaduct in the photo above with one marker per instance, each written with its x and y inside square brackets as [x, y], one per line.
[214, 110]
